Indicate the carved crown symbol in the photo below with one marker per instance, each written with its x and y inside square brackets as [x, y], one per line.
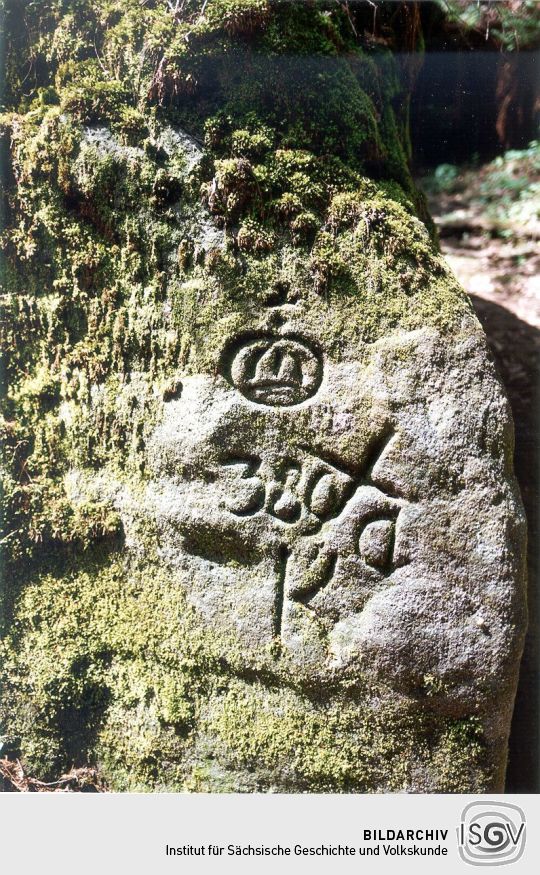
[278, 366]
[279, 370]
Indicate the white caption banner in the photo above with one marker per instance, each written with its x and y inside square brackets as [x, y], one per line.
[86, 833]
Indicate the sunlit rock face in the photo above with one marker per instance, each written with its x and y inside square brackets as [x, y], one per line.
[349, 520]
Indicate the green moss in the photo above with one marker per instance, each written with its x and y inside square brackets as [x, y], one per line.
[105, 662]
[254, 237]
[117, 298]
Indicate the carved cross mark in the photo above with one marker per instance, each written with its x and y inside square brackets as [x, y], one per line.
[320, 510]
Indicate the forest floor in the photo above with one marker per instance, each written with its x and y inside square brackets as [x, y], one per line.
[488, 220]
[13, 779]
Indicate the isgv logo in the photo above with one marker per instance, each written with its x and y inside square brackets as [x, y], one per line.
[491, 833]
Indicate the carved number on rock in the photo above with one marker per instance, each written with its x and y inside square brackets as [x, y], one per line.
[302, 495]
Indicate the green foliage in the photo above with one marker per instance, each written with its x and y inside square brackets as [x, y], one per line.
[504, 193]
[512, 24]
[445, 177]
[513, 176]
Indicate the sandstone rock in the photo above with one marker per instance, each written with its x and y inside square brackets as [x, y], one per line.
[349, 520]
[263, 528]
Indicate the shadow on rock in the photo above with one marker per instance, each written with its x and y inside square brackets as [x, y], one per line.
[516, 349]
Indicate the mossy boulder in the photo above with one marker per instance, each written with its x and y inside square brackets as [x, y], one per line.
[262, 531]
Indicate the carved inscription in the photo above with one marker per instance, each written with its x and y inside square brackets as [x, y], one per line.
[279, 371]
[324, 515]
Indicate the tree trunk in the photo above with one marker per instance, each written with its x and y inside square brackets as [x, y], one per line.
[518, 103]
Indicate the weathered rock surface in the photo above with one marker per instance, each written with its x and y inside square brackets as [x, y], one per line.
[370, 524]
[263, 529]
[350, 519]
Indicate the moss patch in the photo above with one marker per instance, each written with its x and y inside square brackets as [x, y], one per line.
[105, 663]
